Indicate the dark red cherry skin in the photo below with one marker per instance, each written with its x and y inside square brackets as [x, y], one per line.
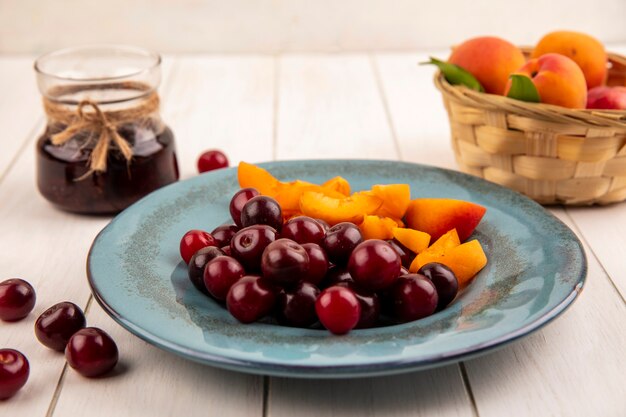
[404, 271]
[370, 306]
[226, 250]
[406, 255]
[91, 352]
[338, 309]
[212, 160]
[250, 299]
[324, 225]
[224, 233]
[248, 244]
[414, 297]
[239, 200]
[14, 371]
[220, 274]
[303, 229]
[55, 326]
[445, 281]
[17, 299]
[198, 262]
[284, 262]
[193, 241]
[340, 241]
[296, 307]
[318, 263]
[336, 275]
[374, 265]
[262, 210]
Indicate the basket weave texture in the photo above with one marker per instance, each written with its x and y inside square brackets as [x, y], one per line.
[552, 154]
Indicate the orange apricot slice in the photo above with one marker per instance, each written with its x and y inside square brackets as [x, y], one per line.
[376, 227]
[256, 177]
[336, 210]
[436, 251]
[414, 240]
[465, 260]
[436, 216]
[396, 199]
[339, 184]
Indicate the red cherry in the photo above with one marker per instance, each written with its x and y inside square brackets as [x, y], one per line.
[374, 264]
[220, 274]
[250, 299]
[56, 325]
[91, 352]
[338, 309]
[193, 241]
[14, 371]
[17, 299]
[238, 201]
[211, 160]
[414, 297]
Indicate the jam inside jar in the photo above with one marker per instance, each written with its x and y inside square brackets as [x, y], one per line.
[105, 145]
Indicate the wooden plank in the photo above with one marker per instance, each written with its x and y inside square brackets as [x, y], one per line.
[415, 107]
[573, 367]
[332, 107]
[20, 106]
[426, 394]
[222, 102]
[329, 108]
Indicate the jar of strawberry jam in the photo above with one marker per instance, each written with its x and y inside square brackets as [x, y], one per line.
[104, 145]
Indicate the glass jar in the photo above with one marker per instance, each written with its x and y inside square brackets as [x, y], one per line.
[105, 145]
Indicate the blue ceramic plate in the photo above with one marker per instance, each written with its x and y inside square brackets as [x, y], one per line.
[536, 269]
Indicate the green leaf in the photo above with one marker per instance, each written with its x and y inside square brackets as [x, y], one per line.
[455, 75]
[522, 88]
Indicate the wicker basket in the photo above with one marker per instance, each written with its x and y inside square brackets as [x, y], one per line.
[552, 154]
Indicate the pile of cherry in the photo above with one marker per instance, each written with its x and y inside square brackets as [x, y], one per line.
[303, 272]
[88, 350]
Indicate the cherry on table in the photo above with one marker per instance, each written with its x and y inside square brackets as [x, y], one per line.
[55, 326]
[91, 352]
[212, 160]
[193, 241]
[239, 200]
[17, 299]
[338, 309]
[14, 371]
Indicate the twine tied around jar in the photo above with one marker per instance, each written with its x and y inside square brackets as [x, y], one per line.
[98, 123]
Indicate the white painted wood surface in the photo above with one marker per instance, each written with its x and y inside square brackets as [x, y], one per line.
[287, 107]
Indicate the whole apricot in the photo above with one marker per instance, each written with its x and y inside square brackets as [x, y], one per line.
[491, 60]
[584, 50]
[558, 80]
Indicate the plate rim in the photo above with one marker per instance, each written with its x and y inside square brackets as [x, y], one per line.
[380, 368]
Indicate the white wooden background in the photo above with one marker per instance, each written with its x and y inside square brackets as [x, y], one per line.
[259, 107]
[273, 26]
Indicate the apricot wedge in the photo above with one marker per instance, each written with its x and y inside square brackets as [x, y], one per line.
[414, 240]
[338, 184]
[396, 199]
[376, 227]
[288, 194]
[336, 210]
[256, 177]
[436, 216]
[436, 251]
[465, 260]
